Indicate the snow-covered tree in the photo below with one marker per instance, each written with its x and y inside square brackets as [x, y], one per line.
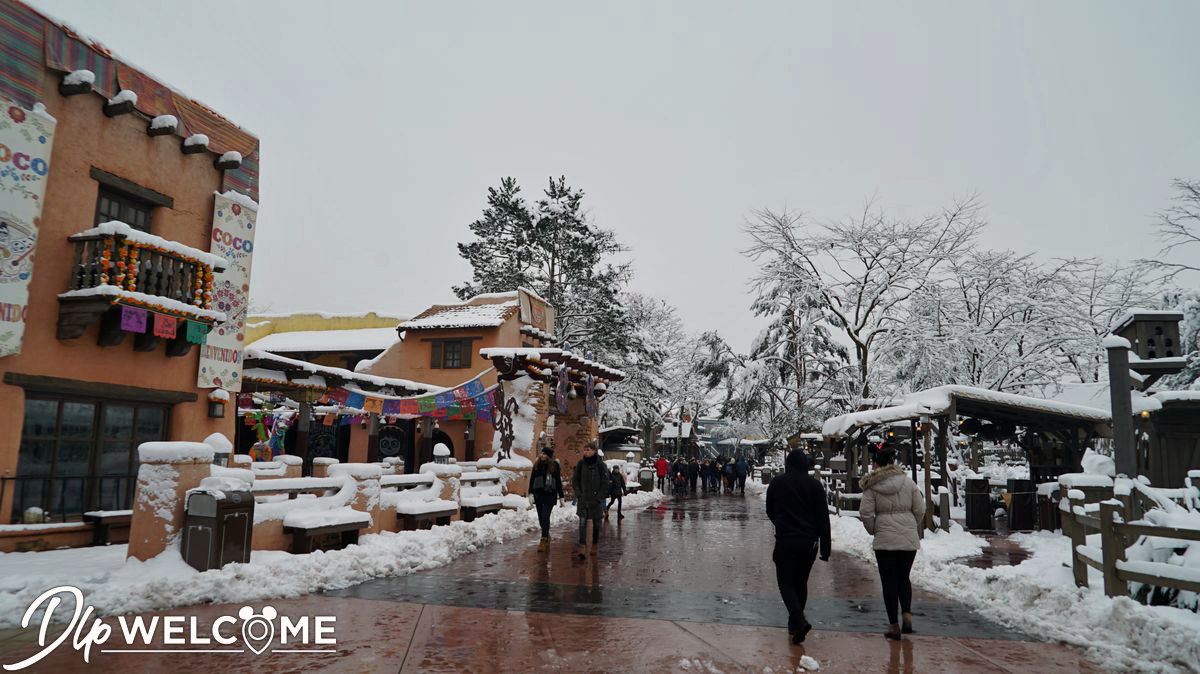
[553, 250]
[860, 271]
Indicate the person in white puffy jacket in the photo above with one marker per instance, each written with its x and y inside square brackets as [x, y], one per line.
[891, 510]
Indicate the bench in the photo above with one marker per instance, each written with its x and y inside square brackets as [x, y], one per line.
[474, 498]
[103, 520]
[312, 530]
[294, 486]
[414, 513]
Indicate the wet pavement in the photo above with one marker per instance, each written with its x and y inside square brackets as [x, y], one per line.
[684, 585]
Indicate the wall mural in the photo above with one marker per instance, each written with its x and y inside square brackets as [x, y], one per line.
[26, 138]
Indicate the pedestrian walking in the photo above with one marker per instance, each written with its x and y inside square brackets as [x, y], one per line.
[693, 474]
[590, 484]
[545, 484]
[660, 469]
[705, 474]
[891, 509]
[616, 491]
[729, 476]
[742, 470]
[796, 506]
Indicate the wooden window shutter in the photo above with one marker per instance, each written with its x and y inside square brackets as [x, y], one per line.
[436, 359]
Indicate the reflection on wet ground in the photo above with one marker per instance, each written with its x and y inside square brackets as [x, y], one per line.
[686, 585]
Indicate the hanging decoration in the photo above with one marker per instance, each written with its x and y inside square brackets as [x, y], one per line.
[590, 400]
[561, 392]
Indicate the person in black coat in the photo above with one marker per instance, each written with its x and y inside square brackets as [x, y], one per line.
[693, 474]
[616, 491]
[546, 486]
[796, 506]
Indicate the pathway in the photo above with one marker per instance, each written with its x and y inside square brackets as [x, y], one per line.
[686, 585]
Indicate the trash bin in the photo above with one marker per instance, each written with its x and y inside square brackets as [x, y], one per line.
[1048, 517]
[646, 479]
[979, 504]
[217, 526]
[1022, 508]
[768, 474]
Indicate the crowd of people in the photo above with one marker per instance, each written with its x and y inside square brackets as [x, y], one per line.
[891, 510]
[682, 476]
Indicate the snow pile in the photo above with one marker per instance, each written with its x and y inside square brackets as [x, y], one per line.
[441, 469]
[116, 227]
[231, 156]
[196, 139]
[174, 451]
[480, 316]
[1039, 597]
[79, 77]
[114, 585]
[219, 443]
[164, 122]
[123, 96]
[440, 449]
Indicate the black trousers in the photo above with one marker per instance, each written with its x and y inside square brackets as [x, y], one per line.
[583, 530]
[742, 483]
[692, 484]
[612, 500]
[894, 566]
[662, 483]
[793, 563]
[544, 506]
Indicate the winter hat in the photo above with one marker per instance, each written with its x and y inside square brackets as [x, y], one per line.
[548, 452]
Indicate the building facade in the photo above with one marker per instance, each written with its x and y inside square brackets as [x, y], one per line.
[123, 312]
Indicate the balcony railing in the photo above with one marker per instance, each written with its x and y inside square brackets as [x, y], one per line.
[115, 263]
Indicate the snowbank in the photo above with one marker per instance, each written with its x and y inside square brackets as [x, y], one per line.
[1039, 597]
[113, 585]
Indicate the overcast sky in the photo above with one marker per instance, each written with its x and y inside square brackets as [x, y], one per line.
[383, 124]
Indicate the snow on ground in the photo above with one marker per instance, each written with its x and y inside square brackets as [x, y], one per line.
[114, 585]
[1039, 598]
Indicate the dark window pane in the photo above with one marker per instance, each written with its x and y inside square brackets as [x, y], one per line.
[114, 457]
[118, 422]
[67, 497]
[115, 206]
[73, 457]
[78, 420]
[41, 418]
[453, 354]
[36, 456]
[149, 424]
[114, 493]
[30, 494]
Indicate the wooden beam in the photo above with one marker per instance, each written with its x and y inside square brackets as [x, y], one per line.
[89, 389]
[131, 188]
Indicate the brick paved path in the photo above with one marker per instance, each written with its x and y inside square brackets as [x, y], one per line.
[686, 585]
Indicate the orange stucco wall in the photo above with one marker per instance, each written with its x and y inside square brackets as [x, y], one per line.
[410, 360]
[84, 138]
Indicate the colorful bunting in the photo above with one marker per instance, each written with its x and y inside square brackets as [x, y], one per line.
[355, 400]
[133, 319]
[164, 326]
[373, 405]
[426, 405]
[197, 333]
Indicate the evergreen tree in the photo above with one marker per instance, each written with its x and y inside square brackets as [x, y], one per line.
[554, 251]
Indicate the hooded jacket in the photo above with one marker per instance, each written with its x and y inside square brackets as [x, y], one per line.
[892, 508]
[796, 505]
[660, 467]
[589, 483]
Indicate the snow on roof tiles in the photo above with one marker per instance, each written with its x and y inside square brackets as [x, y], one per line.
[459, 316]
[355, 339]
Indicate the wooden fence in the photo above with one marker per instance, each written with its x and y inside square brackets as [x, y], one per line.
[1116, 520]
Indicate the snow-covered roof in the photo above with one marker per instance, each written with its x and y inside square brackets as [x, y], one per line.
[440, 317]
[623, 429]
[355, 339]
[671, 430]
[938, 400]
[1136, 313]
[278, 364]
[1096, 396]
[1177, 396]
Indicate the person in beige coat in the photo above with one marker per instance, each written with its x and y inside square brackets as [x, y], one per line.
[891, 510]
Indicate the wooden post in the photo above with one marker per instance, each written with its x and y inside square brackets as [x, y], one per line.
[912, 447]
[944, 510]
[469, 441]
[925, 423]
[1113, 550]
[1078, 536]
[302, 428]
[373, 439]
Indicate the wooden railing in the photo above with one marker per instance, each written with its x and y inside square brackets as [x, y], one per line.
[111, 259]
[1116, 533]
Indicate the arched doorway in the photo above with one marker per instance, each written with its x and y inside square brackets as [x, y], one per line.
[439, 436]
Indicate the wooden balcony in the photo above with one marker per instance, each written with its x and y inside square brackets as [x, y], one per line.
[117, 265]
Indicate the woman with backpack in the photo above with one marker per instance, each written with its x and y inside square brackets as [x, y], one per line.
[545, 484]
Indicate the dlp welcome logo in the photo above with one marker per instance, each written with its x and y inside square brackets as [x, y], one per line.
[248, 631]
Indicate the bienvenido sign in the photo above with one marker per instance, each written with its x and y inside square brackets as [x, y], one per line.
[234, 217]
[26, 137]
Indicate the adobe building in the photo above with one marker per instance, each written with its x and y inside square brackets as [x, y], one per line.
[337, 340]
[441, 347]
[127, 215]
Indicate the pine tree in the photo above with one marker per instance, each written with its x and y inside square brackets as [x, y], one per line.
[500, 256]
[555, 252]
